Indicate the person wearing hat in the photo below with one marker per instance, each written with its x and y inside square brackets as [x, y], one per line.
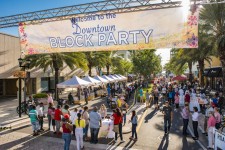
[67, 127]
[168, 116]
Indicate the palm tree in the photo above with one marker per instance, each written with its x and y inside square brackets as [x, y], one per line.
[56, 61]
[95, 59]
[213, 17]
[203, 52]
[180, 59]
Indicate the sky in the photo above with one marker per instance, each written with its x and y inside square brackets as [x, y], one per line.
[13, 7]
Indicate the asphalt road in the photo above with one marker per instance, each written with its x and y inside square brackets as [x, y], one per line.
[151, 134]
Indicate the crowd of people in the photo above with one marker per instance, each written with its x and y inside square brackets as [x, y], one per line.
[67, 123]
[179, 97]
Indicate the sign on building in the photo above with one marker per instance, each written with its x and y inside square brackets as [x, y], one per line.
[148, 29]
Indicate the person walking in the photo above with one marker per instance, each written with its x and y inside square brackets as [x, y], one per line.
[80, 125]
[103, 111]
[67, 128]
[73, 117]
[86, 95]
[34, 120]
[85, 116]
[141, 95]
[176, 97]
[208, 109]
[147, 95]
[168, 116]
[117, 118]
[57, 117]
[156, 99]
[41, 116]
[65, 110]
[217, 117]
[53, 119]
[70, 98]
[185, 116]
[49, 115]
[134, 120]
[50, 99]
[95, 124]
[195, 116]
[210, 127]
[187, 97]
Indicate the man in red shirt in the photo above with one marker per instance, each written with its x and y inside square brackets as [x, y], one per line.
[58, 114]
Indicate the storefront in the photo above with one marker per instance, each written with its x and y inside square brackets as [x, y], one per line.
[213, 77]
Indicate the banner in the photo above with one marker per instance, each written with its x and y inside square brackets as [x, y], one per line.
[219, 143]
[149, 29]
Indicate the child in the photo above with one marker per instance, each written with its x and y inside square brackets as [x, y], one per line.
[53, 120]
[176, 97]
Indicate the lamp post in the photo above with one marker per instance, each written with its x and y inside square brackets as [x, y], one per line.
[22, 64]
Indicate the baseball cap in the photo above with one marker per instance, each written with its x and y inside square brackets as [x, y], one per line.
[66, 116]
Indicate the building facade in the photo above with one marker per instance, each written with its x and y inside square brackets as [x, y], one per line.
[37, 81]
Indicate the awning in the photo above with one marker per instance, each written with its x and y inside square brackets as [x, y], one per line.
[206, 72]
[214, 72]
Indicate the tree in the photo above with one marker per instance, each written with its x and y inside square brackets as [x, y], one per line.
[203, 52]
[180, 59]
[213, 17]
[173, 68]
[56, 61]
[95, 59]
[146, 62]
[121, 66]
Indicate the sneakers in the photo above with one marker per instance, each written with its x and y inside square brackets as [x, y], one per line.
[122, 141]
[131, 138]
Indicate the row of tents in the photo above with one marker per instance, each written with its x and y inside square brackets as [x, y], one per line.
[76, 82]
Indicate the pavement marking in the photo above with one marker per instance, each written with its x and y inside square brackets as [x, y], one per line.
[141, 120]
[192, 134]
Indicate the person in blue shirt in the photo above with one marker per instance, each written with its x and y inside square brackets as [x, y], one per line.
[215, 100]
[171, 95]
[141, 94]
[109, 90]
[134, 120]
[34, 120]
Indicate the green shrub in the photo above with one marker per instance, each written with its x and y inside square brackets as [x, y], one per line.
[40, 95]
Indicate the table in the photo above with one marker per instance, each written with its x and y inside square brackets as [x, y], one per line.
[106, 130]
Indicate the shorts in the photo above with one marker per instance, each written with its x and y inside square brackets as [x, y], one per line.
[156, 100]
[53, 122]
[147, 101]
[35, 125]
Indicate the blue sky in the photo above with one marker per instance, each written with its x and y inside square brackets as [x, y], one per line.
[13, 7]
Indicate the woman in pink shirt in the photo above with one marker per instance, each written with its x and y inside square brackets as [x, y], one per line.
[218, 117]
[210, 127]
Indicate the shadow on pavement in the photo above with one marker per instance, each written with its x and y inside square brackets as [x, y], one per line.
[164, 143]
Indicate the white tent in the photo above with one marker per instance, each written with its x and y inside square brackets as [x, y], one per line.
[120, 78]
[92, 80]
[112, 77]
[101, 79]
[125, 78]
[108, 78]
[74, 82]
[117, 77]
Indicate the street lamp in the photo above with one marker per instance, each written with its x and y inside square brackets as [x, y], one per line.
[23, 63]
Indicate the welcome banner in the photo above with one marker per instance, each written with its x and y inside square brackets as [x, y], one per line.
[149, 29]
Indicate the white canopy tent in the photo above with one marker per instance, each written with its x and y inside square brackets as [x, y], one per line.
[114, 78]
[108, 78]
[101, 79]
[118, 77]
[92, 80]
[124, 78]
[74, 82]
